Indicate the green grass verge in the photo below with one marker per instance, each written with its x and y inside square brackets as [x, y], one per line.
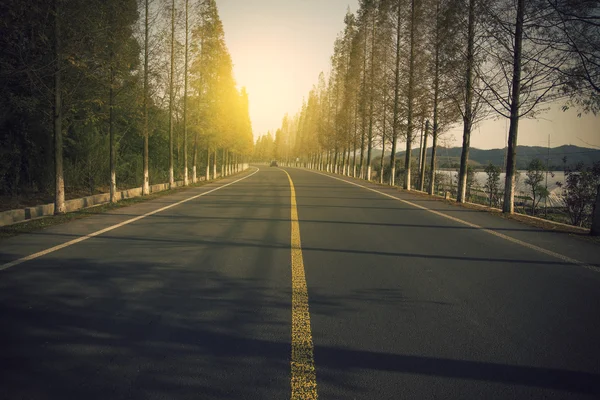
[45, 222]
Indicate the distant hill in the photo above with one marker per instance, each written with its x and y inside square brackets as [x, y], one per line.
[449, 157]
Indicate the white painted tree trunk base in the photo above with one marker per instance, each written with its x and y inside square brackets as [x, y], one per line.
[113, 187]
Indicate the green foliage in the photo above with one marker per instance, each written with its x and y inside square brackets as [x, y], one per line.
[535, 176]
[580, 191]
[99, 37]
[492, 184]
[265, 149]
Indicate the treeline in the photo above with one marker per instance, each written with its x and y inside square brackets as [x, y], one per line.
[98, 95]
[406, 71]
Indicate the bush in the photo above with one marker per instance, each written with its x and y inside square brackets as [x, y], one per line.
[579, 192]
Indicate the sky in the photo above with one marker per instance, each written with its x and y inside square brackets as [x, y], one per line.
[279, 47]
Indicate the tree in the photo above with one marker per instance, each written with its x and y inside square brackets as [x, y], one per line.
[410, 97]
[468, 105]
[146, 155]
[535, 176]
[397, 90]
[492, 184]
[185, 98]
[522, 69]
[444, 42]
[171, 96]
[78, 97]
[580, 191]
[122, 54]
[575, 27]
[59, 199]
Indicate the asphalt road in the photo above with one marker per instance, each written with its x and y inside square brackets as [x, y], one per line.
[194, 302]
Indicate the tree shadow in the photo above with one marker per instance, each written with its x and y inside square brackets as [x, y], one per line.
[79, 329]
[94, 330]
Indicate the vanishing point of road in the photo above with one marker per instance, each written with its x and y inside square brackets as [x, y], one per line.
[283, 283]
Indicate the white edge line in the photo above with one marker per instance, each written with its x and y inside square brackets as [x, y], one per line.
[110, 228]
[490, 231]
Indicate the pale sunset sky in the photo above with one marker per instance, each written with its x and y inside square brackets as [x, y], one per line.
[279, 47]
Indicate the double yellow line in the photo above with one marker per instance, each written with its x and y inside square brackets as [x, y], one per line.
[303, 376]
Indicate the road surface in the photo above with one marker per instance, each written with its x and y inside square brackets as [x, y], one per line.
[408, 298]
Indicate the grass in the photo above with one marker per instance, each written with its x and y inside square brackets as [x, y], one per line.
[45, 222]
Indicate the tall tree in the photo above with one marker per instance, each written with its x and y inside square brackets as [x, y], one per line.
[111, 106]
[59, 197]
[146, 156]
[410, 100]
[444, 44]
[511, 159]
[523, 67]
[171, 96]
[397, 88]
[185, 98]
[371, 90]
[468, 105]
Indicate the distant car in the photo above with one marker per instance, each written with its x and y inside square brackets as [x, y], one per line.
[274, 163]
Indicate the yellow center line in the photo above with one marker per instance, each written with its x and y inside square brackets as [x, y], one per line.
[303, 375]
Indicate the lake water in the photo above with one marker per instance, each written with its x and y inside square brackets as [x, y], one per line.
[553, 177]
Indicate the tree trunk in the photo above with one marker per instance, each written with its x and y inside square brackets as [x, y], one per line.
[420, 157]
[228, 165]
[511, 161]
[468, 116]
[335, 160]
[433, 156]
[111, 127]
[215, 164]
[146, 178]
[59, 182]
[185, 91]
[171, 94]
[348, 161]
[195, 160]
[411, 84]
[363, 116]
[436, 92]
[354, 144]
[381, 162]
[371, 102]
[596, 216]
[223, 163]
[208, 163]
[424, 158]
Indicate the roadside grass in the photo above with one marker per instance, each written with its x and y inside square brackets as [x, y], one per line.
[45, 222]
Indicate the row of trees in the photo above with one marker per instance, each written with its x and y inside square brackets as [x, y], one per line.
[127, 92]
[408, 69]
